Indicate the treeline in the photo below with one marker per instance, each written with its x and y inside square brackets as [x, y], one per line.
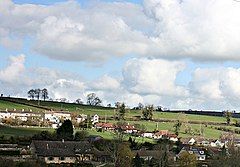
[38, 94]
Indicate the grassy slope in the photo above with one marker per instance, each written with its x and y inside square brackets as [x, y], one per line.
[102, 111]
[11, 131]
[11, 106]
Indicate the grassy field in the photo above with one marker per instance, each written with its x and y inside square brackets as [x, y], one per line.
[104, 111]
[11, 106]
[209, 132]
[101, 111]
[12, 131]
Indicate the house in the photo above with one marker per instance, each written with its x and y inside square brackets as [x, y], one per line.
[105, 126]
[147, 134]
[172, 137]
[202, 141]
[189, 141]
[95, 119]
[56, 117]
[160, 134]
[21, 115]
[147, 155]
[68, 152]
[197, 151]
[128, 129]
[217, 143]
[81, 118]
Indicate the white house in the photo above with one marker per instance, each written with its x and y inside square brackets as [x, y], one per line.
[147, 134]
[95, 119]
[51, 118]
[4, 115]
[81, 118]
[55, 117]
[217, 143]
[20, 115]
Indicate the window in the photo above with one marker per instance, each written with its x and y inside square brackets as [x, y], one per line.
[50, 158]
[62, 158]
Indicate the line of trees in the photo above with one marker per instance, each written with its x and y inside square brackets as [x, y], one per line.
[38, 94]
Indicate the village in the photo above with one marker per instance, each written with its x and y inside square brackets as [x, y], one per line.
[85, 151]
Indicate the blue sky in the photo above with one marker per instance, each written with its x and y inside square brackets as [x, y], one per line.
[189, 57]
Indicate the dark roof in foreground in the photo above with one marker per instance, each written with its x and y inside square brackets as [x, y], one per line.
[60, 148]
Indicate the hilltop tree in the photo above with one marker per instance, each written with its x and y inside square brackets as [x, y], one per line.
[148, 112]
[93, 100]
[45, 94]
[37, 93]
[31, 93]
[65, 131]
[79, 101]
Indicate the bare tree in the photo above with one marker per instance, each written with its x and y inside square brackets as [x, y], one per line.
[79, 101]
[31, 93]
[93, 100]
[37, 93]
[45, 94]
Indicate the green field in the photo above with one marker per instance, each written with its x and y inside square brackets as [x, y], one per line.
[109, 112]
[208, 132]
[11, 106]
[102, 111]
[21, 131]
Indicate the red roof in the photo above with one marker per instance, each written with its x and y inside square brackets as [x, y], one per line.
[128, 127]
[161, 133]
[105, 125]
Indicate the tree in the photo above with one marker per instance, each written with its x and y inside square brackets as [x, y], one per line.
[148, 112]
[93, 100]
[121, 111]
[65, 131]
[140, 106]
[45, 94]
[163, 153]
[63, 100]
[124, 156]
[81, 135]
[37, 93]
[177, 127]
[228, 116]
[79, 101]
[44, 135]
[31, 94]
[137, 161]
[187, 160]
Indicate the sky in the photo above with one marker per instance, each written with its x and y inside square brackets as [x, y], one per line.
[179, 54]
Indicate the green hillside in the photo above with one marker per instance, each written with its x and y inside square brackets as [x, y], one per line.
[11, 106]
[107, 112]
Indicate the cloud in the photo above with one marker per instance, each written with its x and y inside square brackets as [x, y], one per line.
[216, 87]
[146, 76]
[15, 68]
[195, 29]
[149, 81]
[106, 83]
